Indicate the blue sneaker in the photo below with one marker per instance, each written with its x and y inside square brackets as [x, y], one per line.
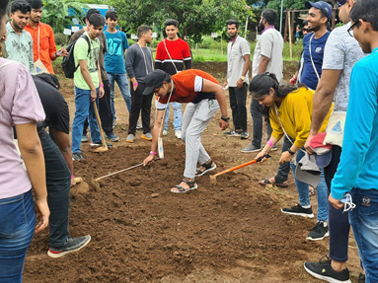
[84, 138]
[112, 137]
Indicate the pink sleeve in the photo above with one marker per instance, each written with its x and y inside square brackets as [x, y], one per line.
[27, 106]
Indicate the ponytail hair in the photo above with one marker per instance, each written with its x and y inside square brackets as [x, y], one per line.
[261, 84]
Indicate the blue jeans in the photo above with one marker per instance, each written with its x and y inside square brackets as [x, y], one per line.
[177, 116]
[321, 191]
[364, 221]
[17, 222]
[123, 85]
[84, 108]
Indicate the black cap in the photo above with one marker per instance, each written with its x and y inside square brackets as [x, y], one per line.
[153, 80]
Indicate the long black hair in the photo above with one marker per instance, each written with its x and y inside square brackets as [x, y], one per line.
[261, 84]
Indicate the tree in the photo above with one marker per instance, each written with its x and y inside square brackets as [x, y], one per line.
[196, 17]
[59, 13]
[294, 4]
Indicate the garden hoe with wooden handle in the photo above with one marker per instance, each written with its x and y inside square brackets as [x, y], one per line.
[96, 185]
[213, 178]
[104, 146]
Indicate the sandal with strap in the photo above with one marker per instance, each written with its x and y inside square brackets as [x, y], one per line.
[192, 186]
[267, 182]
[208, 167]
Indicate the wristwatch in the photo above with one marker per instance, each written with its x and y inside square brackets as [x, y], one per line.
[290, 151]
[225, 119]
[242, 78]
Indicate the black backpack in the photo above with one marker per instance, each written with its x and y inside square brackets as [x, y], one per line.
[68, 64]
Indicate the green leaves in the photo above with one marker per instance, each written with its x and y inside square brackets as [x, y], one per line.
[56, 13]
[196, 17]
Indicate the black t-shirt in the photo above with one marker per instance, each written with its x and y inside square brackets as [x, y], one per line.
[55, 106]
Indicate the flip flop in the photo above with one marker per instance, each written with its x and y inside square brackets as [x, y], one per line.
[267, 182]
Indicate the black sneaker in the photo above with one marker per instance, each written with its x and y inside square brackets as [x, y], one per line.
[299, 210]
[361, 278]
[324, 271]
[274, 148]
[71, 245]
[100, 144]
[319, 232]
[232, 133]
[77, 156]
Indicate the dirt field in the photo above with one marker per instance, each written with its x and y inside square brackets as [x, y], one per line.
[231, 232]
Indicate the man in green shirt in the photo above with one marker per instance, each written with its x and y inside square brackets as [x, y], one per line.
[88, 83]
[19, 43]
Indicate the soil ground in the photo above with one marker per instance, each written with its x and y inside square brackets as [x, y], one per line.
[141, 232]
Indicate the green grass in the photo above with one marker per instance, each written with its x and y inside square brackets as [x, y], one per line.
[210, 50]
[214, 52]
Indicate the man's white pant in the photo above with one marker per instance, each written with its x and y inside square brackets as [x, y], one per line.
[194, 121]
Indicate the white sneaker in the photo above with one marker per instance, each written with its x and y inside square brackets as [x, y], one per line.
[178, 134]
[165, 132]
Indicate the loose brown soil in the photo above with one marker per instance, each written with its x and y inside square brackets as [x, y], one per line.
[141, 232]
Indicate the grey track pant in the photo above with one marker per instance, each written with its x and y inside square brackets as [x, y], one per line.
[194, 121]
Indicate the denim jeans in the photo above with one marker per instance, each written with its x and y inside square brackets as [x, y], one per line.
[177, 116]
[58, 182]
[257, 120]
[84, 108]
[321, 191]
[238, 99]
[105, 111]
[364, 221]
[123, 85]
[17, 222]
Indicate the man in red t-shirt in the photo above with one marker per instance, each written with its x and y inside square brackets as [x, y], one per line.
[171, 54]
[204, 96]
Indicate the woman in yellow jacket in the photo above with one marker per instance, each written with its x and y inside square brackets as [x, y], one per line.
[290, 111]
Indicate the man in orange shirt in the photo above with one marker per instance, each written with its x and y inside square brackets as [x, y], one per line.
[204, 96]
[44, 47]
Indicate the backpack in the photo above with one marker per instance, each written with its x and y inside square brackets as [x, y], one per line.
[68, 64]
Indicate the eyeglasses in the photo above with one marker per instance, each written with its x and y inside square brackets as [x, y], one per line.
[350, 30]
[305, 29]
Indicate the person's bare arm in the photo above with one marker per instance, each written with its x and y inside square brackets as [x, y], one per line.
[101, 91]
[322, 102]
[87, 77]
[32, 154]
[210, 87]
[247, 62]
[160, 118]
[62, 140]
[263, 64]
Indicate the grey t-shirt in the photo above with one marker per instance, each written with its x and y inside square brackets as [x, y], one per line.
[341, 52]
[139, 62]
[269, 45]
[235, 60]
